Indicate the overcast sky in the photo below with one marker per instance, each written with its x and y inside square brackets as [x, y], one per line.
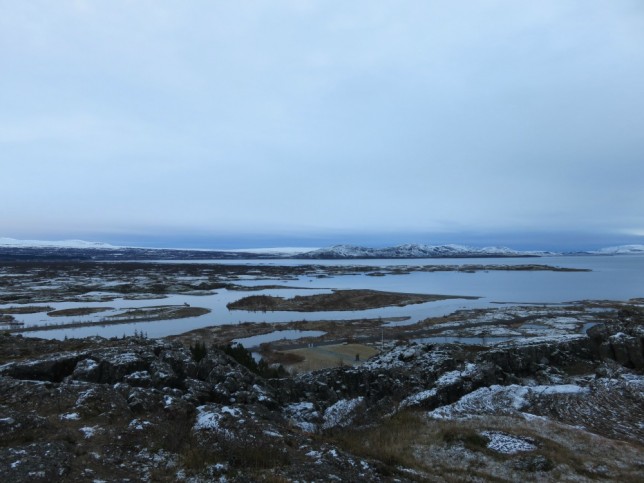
[316, 122]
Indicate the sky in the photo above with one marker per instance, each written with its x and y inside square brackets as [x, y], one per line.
[308, 123]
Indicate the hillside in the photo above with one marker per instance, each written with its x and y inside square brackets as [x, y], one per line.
[547, 409]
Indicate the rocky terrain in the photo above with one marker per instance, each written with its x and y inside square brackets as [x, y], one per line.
[567, 407]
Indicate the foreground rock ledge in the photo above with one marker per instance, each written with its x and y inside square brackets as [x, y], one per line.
[138, 409]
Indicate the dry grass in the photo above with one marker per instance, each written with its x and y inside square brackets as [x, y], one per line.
[455, 450]
[278, 357]
[389, 443]
[78, 311]
[30, 309]
[322, 357]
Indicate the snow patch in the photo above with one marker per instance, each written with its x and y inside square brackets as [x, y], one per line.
[261, 394]
[560, 389]
[70, 417]
[272, 434]
[302, 415]
[211, 418]
[508, 444]
[124, 358]
[453, 377]
[314, 454]
[500, 400]
[87, 365]
[139, 376]
[449, 378]
[341, 413]
[418, 398]
[88, 431]
[494, 399]
[541, 340]
[139, 425]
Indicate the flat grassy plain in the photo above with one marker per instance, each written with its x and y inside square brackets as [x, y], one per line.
[325, 356]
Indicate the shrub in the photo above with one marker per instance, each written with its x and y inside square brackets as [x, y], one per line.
[198, 351]
[245, 358]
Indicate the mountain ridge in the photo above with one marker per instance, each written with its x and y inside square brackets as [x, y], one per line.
[414, 250]
[14, 249]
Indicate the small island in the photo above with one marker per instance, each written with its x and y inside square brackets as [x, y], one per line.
[338, 300]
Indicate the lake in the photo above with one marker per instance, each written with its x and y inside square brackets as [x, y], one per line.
[612, 278]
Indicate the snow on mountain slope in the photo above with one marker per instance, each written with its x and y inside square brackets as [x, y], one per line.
[283, 251]
[342, 251]
[408, 250]
[412, 250]
[621, 250]
[279, 252]
[12, 242]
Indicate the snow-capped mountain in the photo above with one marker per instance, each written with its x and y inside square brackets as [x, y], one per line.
[277, 251]
[412, 250]
[12, 249]
[341, 251]
[12, 242]
[621, 250]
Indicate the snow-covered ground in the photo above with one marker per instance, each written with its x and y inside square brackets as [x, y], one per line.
[12, 242]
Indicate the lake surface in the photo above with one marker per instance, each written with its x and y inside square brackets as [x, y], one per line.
[612, 278]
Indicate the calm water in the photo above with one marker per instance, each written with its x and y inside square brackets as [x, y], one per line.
[612, 278]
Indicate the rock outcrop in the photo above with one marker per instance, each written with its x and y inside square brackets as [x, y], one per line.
[622, 341]
[139, 409]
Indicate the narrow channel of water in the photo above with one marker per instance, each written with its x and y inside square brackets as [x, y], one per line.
[611, 278]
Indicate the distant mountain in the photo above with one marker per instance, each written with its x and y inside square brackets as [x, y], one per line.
[277, 251]
[12, 242]
[621, 250]
[412, 250]
[12, 249]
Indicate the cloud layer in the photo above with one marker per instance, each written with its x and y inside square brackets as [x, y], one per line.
[321, 117]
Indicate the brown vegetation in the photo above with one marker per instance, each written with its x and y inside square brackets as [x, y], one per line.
[456, 450]
[325, 356]
[78, 311]
[28, 309]
[337, 300]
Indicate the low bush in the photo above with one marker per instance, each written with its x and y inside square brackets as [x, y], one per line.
[245, 358]
[198, 350]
